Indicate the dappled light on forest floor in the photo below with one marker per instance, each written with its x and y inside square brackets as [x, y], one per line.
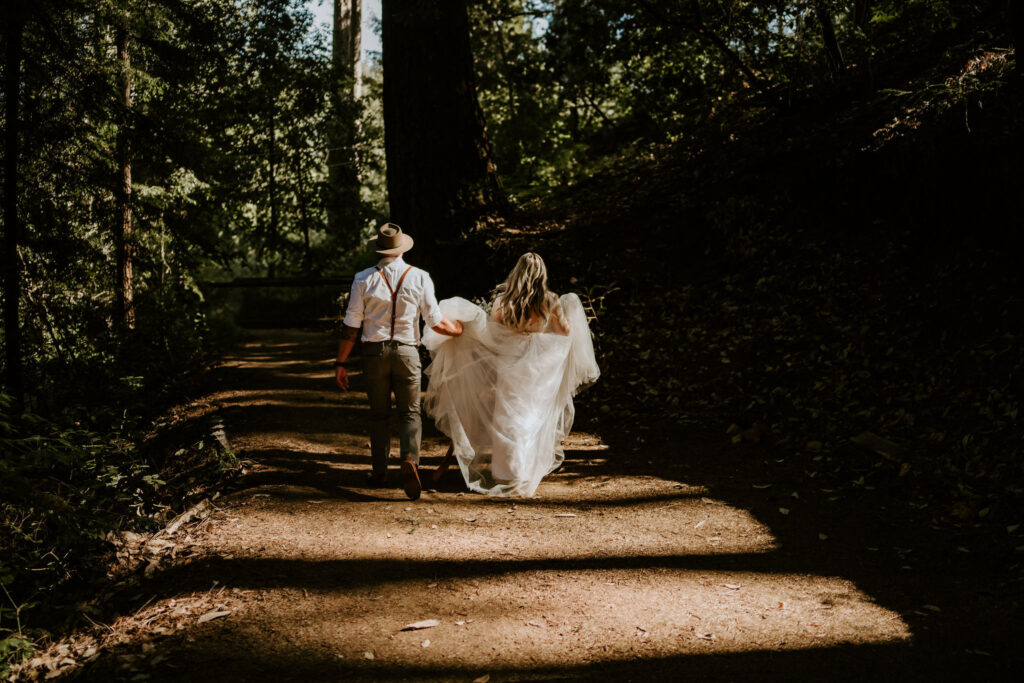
[318, 574]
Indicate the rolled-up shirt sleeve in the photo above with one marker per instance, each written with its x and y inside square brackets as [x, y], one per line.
[354, 312]
[429, 309]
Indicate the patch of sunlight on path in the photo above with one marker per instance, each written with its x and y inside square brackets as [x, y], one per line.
[596, 568]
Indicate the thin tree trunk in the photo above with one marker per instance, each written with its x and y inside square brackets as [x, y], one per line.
[15, 22]
[299, 169]
[861, 13]
[273, 229]
[343, 204]
[55, 339]
[124, 285]
[828, 37]
[441, 174]
[510, 94]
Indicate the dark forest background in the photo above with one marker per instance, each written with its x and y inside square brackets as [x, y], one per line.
[796, 223]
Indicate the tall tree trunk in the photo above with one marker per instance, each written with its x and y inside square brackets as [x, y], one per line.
[346, 47]
[828, 37]
[303, 181]
[861, 13]
[343, 204]
[273, 229]
[124, 291]
[14, 25]
[441, 174]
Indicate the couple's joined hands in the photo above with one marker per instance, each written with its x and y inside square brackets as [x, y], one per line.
[449, 328]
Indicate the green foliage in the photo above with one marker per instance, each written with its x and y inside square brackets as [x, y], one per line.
[567, 83]
[62, 489]
[228, 135]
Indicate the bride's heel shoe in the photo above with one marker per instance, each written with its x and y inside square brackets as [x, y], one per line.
[443, 467]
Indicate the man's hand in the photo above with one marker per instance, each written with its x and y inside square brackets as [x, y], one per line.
[450, 328]
[345, 344]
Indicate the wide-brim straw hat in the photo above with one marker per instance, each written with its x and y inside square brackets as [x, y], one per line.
[390, 240]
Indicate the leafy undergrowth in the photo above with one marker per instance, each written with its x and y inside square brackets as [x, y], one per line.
[62, 489]
[792, 288]
[75, 505]
[869, 375]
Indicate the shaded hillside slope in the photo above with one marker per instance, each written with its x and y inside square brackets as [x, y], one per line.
[843, 270]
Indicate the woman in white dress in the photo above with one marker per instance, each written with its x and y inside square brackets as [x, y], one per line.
[503, 390]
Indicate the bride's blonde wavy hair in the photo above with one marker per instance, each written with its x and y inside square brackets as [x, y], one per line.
[524, 293]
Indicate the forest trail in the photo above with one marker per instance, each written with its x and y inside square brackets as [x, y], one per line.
[610, 572]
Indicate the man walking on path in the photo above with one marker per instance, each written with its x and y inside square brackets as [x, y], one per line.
[387, 301]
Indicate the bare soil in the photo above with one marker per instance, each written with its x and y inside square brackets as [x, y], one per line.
[668, 555]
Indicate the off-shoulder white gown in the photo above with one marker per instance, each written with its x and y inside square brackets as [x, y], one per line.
[504, 397]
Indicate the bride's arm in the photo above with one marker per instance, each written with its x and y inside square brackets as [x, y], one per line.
[557, 319]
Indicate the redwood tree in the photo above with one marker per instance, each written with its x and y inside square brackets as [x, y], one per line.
[441, 175]
[344, 213]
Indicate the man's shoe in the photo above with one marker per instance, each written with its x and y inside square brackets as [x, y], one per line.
[411, 479]
[377, 480]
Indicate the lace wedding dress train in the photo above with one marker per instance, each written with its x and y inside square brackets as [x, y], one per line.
[505, 397]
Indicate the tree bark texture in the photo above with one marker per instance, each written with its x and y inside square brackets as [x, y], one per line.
[828, 37]
[124, 291]
[14, 25]
[273, 228]
[346, 46]
[342, 197]
[441, 173]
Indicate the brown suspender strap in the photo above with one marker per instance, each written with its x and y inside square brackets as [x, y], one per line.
[394, 295]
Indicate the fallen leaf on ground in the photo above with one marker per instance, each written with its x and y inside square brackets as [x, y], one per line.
[368, 655]
[784, 511]
[215, 614]
[700, 524]
[482, 679]
[425, 643]
[565, 514]
[426, 624]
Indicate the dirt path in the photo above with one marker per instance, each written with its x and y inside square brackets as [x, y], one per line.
[638, 559]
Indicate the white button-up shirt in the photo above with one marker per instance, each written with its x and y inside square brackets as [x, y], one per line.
[369, 304]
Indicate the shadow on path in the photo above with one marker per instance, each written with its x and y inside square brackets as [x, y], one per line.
[682, 557]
